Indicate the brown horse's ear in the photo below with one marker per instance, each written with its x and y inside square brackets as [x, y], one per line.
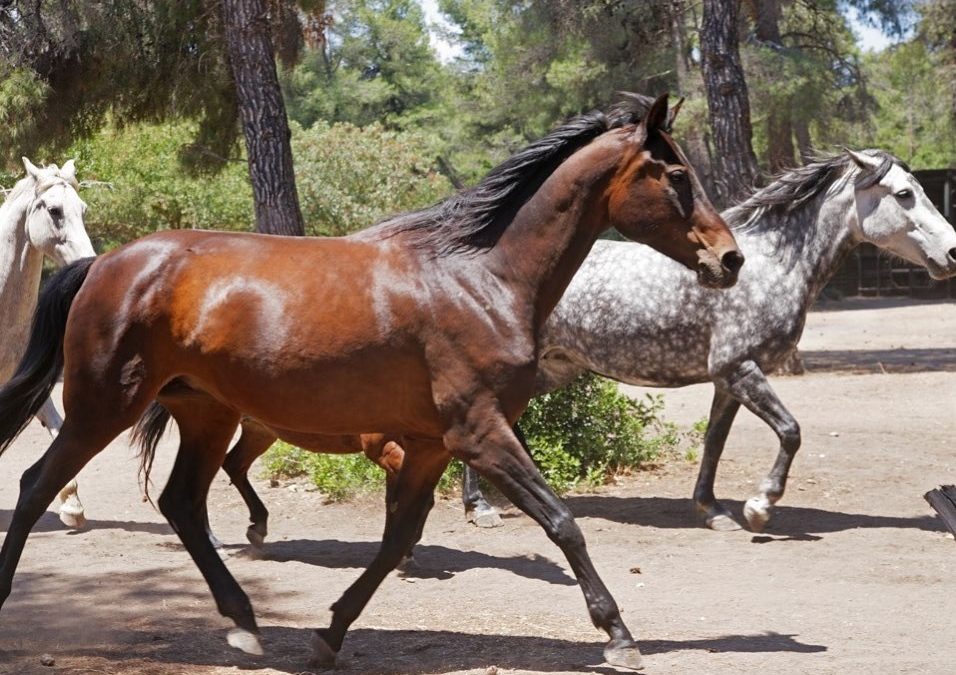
[673, 114]
[657, 116]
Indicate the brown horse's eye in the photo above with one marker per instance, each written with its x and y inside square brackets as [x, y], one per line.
[678, 176]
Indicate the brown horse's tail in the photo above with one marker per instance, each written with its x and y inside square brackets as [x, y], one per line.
[146, 433]
[41, 365]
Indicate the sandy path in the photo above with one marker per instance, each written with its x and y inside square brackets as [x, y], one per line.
[853, 575]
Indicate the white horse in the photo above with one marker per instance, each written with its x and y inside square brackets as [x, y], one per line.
[42, 216]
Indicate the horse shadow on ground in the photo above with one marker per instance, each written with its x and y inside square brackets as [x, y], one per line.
[416, 652]
[430, 561]
[50, 522]
[795, 522]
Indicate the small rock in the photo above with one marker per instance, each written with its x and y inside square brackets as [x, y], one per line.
[635, 570]
[835, 434]
[47, 660]
[493, 670]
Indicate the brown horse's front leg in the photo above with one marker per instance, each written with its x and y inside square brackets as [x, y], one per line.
[411, 495]
[503, 460]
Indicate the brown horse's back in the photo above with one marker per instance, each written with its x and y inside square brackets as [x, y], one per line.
[303, 318]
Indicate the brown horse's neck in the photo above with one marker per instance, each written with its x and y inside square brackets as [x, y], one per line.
[553, 232]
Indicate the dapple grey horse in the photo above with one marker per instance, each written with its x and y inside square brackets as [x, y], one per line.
[41, 217]
[794, 232]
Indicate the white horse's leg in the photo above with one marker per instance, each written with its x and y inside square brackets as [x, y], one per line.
[71, 510]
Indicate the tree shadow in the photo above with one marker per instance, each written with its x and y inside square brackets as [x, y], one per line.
[796, 522]
[430, 561]
[880, 360]
[50, 522]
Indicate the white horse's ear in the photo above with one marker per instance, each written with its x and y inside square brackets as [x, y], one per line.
[31, 170]
[865, 162]
[68, 170]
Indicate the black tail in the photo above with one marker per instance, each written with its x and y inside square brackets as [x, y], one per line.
[146, 433]
[42, 363]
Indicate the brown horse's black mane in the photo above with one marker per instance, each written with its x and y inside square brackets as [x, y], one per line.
[473, 219]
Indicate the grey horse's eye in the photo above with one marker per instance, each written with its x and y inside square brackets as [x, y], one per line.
[55, 212]
[905, 193]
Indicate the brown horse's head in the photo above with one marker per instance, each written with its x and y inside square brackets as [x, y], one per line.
[656, 198]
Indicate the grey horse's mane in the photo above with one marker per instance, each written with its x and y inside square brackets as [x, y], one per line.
[474, 219]
[793, 190]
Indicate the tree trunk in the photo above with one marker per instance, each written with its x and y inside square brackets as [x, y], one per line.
[262, 111]
[727, 100]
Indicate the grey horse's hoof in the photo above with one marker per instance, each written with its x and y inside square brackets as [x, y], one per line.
[757, 512]
[484, 516]
[247, 641]
[717, 518]
[323, 656]
[256, 536]
[623, 654]
[71, 514]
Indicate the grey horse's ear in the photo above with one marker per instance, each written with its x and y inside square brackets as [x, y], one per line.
[68, 170]
[31, 169]
[864, 162]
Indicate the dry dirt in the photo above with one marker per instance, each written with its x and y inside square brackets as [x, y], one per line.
[854, 575]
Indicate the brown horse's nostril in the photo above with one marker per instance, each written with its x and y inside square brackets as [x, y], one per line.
[732, 260]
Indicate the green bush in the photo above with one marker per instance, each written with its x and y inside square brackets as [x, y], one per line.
[582, 435]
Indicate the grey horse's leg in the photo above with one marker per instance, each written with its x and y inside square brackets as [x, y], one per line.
[71, 510]
[749, 385]
[723, 410]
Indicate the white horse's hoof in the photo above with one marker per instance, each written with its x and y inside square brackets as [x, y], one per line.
[624, 654]
[323, 656]
[244, 640]
[71, 514]
[256, 539]
[484, 517]
[722, 522]
[757, 512]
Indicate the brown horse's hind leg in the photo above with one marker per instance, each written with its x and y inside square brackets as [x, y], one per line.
[70, 451]
[205, 428]
[412, 495]
[254, 441]
[502, 460]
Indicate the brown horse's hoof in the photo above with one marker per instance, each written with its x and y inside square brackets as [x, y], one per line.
[623, 654]
[323, 656]
[757, 512]
[247, 641]
[255, 537]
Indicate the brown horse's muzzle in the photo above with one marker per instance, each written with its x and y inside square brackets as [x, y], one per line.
[719, 269]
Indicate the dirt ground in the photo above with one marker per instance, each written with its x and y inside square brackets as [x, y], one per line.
[854, 575]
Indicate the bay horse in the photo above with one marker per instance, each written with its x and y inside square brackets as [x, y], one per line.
[796, 232]
[424, 325]
[42, 217]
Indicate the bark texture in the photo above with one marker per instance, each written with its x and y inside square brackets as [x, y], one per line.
[263, 116]
[736, 164]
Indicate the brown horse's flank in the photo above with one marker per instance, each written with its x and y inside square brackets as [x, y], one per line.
[423, 328]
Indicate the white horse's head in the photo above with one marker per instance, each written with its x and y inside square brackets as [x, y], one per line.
[54, 217]
[894, 213]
